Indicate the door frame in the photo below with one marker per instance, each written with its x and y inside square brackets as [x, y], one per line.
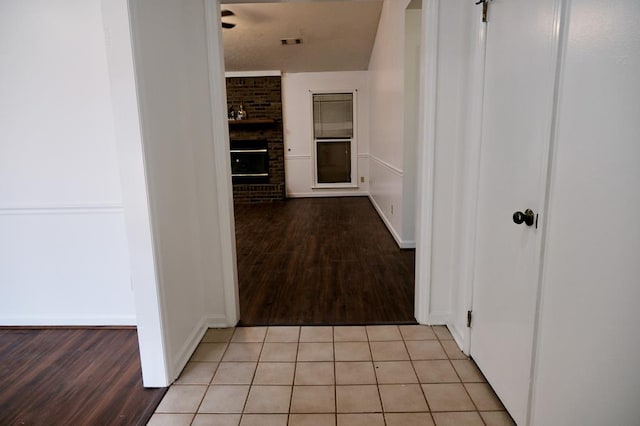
[425, 170]
[470, 185]
[424, 176]
[427, 107]
[221, 146]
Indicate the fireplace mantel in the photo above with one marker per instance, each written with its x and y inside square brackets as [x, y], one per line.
[251, 122]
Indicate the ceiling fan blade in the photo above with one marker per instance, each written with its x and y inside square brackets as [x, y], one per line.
[226, 12]
[227, 25]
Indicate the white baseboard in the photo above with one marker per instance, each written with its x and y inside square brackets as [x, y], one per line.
[218, 321]
[76, 321]
[320, 193]
[401, 243]
[438, 318]
[190, 346]
[458, 335]
[188, 349]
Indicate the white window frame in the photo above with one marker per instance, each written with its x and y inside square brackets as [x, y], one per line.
[354, 142]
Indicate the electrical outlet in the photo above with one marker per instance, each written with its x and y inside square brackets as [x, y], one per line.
[361, 179]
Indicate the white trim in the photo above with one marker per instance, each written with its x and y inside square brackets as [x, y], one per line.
[44, 209]
[457, 333]
[187, 349]
[334, 186]
[439, 318]
[393, 169]
[309, 157]
[220, 130]
[268, 73]
[77, 320]
[217, 321]
[298, 157]
[403, 244]
[320, 193]
[127, 101]
[561, 34]
[353, 141]
[191, 344]
[426, 150]
[470, 189]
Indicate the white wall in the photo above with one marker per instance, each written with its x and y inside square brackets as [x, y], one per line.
[589, 347]
[386, 153]
[63, 251]
[179, 140]
[412, 56]
[298, 136]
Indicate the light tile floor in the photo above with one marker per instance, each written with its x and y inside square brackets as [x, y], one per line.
[335, 376]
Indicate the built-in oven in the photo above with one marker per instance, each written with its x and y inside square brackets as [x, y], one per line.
[249, 161]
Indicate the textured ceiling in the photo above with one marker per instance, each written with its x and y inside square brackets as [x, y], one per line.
[336, 35]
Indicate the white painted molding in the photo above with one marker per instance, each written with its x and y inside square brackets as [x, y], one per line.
[298, 157]
[348, 192]
[212, 321]
[218, 96]
[50, 209]
[309, 156]
[268, 73]
[79, 320]
[188, 349]
[458, 335]
[426, 150]
[393, 169]
[217, 321]
[470, 188]
[120, 18]
[363, 155]
[439, 318]
[561, 36]
[401, 243]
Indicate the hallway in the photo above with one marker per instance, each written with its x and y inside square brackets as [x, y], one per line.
[323, 376]
[321, 261]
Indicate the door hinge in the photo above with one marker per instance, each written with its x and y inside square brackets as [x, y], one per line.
[485, 7]
[468, 318]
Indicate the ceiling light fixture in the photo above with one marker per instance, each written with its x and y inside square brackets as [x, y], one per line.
[290, 41]
[224, 13]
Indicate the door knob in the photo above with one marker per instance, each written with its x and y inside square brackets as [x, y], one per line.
[528, 217]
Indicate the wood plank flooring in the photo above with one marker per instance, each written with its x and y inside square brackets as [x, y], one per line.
[321, 261]
[73, 377]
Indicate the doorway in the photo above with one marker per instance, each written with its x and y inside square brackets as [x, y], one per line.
[396, 208]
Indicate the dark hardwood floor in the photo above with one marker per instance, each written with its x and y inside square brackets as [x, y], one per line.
[321, 261]
[73, 377]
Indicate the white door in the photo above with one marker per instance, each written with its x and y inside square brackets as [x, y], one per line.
[520, 73]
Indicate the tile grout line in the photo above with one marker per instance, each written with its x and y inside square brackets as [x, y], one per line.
[335, 376]
[244, 406]
[295, 369]
[214, 372]
[384, 418]
[383, 412]
[424, 395]
[477, 411]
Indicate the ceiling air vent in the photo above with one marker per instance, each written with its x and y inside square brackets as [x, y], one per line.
[290, 41]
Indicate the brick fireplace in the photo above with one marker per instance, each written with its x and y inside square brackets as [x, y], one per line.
[262, 100]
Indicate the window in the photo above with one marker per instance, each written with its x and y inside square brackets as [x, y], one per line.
[334, 139]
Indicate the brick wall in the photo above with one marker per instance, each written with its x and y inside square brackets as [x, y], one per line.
[262, 98]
